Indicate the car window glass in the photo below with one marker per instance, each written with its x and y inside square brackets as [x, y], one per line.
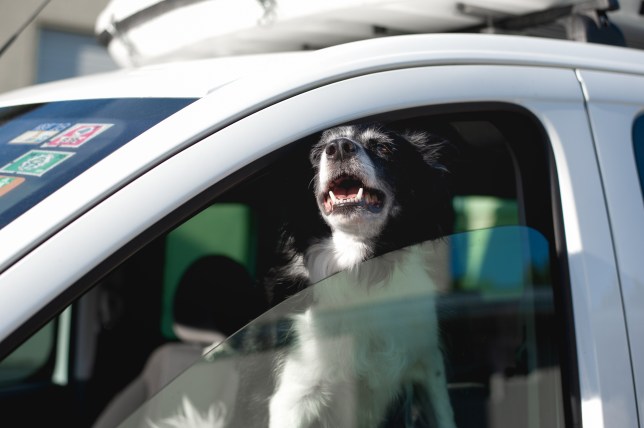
[230, 228]
[30, 357]
[495, 320]
[638, 146]
[42, 147]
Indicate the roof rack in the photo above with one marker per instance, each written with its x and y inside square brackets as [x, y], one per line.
[585, 22]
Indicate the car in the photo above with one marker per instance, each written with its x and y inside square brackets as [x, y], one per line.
[114, 187]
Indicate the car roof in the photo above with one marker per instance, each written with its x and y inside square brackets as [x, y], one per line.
[197, 78]
[186, 79]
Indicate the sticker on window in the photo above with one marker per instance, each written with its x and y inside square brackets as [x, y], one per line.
[40, 133]
[9, 183]
[78, 135]
[36, 162]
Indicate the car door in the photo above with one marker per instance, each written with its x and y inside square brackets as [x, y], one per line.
[616, 107]
[532, 117]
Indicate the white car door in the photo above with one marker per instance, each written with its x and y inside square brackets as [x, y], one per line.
[616, 110]
[555, 98]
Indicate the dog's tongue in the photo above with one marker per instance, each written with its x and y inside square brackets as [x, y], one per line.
[346, 192]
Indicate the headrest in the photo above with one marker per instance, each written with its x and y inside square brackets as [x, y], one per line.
[215, 295]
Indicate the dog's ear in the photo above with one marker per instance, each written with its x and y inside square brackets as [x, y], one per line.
[433, 148]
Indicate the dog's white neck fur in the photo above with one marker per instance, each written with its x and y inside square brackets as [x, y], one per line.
[339, 252]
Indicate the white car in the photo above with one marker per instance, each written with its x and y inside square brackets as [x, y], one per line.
[114, 187]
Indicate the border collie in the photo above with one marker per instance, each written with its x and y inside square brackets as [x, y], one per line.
[377, 191]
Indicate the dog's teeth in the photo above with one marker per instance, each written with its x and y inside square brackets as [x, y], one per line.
[359, 196]
[333, 198]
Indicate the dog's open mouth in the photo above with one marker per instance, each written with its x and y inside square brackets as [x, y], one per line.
[350, 192]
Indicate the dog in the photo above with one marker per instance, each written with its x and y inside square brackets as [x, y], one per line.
[379, 192]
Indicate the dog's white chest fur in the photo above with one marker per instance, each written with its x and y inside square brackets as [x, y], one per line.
[398, 275]
[358, 344]
[337, 253]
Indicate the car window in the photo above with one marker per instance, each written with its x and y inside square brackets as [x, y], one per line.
[497, 288]
[638, 147]
[44, 146]
[230, 229]
[501, 360]
[29, 358]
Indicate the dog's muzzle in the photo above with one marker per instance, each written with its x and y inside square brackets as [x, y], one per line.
[347, 191]
[340, 149]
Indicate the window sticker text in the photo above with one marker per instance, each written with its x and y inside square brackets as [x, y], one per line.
[40, 133]
[78, 135]
[36, 162]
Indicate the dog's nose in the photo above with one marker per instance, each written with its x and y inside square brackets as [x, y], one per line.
[341, 148]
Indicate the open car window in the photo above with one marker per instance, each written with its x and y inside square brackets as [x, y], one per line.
[486, 296]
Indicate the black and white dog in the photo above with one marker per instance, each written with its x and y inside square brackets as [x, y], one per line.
[377, 191]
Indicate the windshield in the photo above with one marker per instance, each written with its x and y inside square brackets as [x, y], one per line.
[44, 146]
[460, 329]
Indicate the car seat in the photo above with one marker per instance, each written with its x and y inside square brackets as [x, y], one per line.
[215, 297]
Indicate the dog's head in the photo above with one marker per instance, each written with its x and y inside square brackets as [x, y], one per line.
[367, 177]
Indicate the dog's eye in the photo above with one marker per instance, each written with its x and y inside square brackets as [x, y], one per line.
[384, 149]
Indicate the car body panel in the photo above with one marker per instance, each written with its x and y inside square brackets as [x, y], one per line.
[166, 81]
[614, 103]
[597, 306]
[339, 61]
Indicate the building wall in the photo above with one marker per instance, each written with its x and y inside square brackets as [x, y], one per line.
[20, 63]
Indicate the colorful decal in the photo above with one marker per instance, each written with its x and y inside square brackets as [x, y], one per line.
[78, 135]
[40, 133]
[9, 183]
[36, 162]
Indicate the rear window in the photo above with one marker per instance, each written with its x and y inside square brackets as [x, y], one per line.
[44, 146]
